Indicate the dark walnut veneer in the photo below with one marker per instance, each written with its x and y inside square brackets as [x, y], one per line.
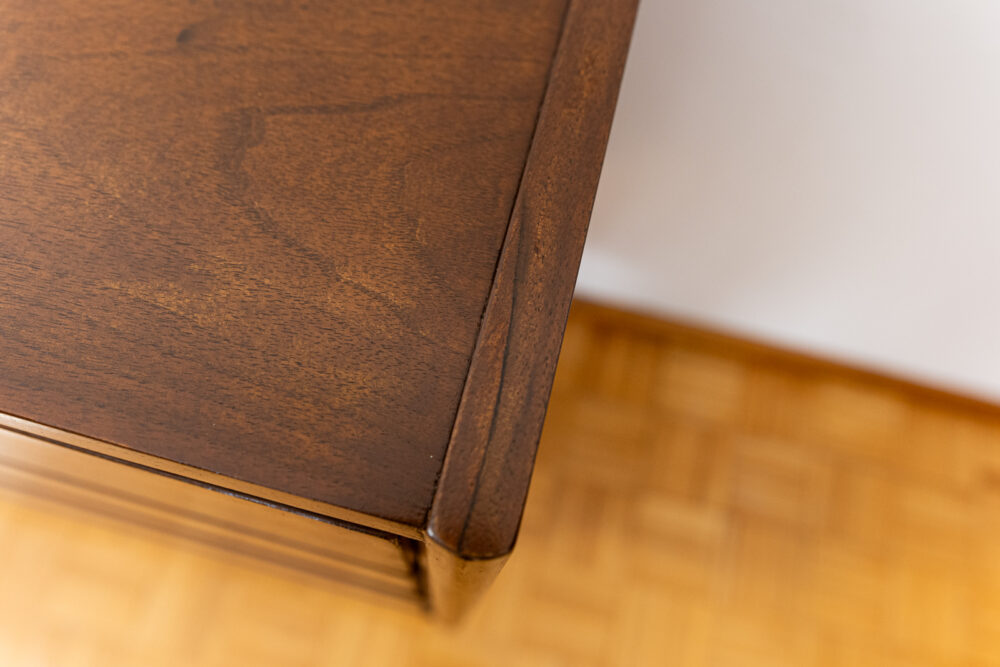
[318, 255]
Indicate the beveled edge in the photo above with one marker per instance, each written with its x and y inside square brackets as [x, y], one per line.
[476, 511]
[198, 475]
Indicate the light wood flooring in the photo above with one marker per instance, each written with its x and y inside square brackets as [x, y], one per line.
[697, 501]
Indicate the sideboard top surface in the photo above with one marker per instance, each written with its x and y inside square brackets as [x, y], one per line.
[258, 238]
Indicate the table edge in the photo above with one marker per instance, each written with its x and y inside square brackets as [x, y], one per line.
[221, 483]
[476, 511]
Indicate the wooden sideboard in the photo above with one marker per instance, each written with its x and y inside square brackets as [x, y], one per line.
[291, 277]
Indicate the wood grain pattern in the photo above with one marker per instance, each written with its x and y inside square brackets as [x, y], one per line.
[695, 503]
[319, 253]
[257, 237]
[479, 501]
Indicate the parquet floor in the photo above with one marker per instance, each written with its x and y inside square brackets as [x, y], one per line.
[696, 502]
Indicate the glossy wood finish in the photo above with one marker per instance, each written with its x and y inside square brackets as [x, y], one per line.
[257, 238]
[282, 245]
[479, 501]
[361, 558]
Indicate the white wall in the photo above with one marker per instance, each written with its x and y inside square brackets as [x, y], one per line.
[823, 174]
